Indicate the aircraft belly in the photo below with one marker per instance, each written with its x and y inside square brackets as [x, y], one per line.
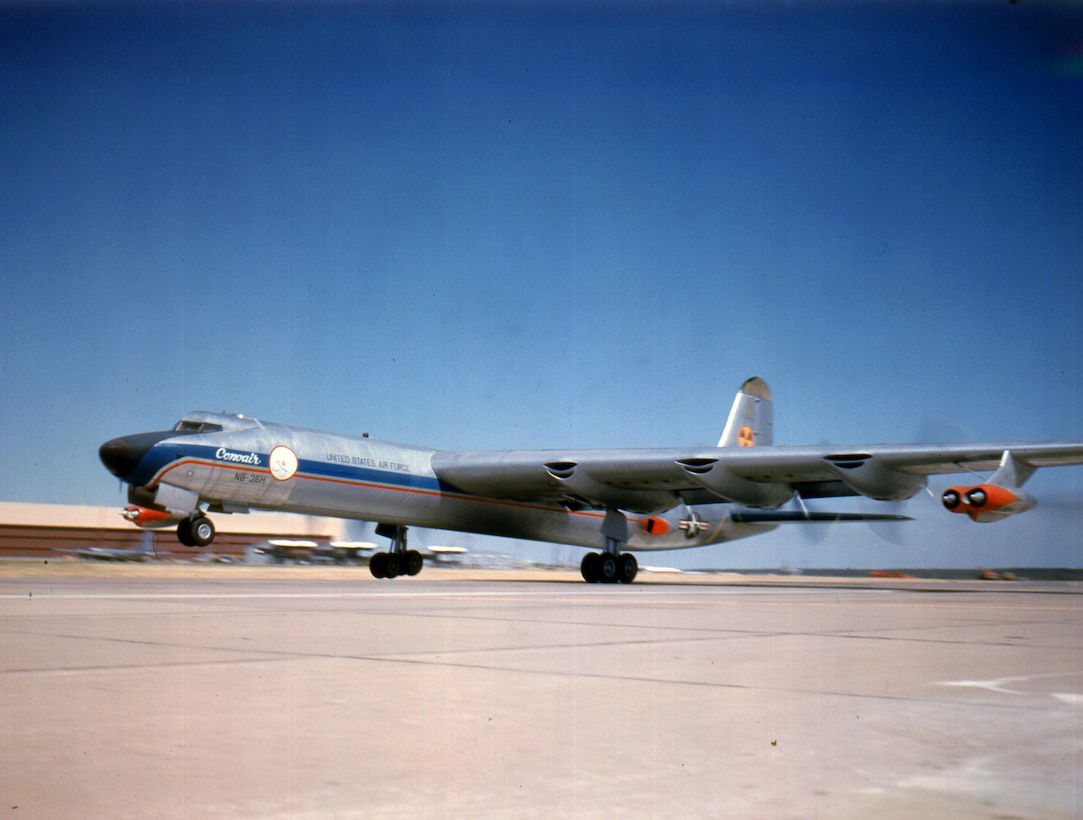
[499, 517]
[584, 527]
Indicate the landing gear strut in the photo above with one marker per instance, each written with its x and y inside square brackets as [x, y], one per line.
[399, 561]
[611, 566]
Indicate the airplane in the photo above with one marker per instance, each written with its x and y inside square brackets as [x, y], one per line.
[617, 502]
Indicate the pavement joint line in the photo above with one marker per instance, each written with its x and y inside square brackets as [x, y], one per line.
[1013, 706]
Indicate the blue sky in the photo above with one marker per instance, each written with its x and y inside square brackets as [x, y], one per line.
[548, 225]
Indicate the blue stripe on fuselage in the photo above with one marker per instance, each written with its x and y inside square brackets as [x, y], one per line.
[160, 456]
[366, 475]
[164, 454]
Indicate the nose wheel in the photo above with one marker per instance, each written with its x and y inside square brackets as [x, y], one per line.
[195, 531]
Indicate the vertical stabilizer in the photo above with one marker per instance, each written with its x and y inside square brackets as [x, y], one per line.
[751, 421]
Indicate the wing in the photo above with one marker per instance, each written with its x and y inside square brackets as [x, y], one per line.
[646, 481]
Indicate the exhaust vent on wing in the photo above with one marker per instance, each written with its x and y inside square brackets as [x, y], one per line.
[698, 466]
[561, 469]
[848, 461]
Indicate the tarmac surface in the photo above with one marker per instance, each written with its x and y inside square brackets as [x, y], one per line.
[229, 692]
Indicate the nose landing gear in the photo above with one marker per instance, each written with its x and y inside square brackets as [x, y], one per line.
[195, 531]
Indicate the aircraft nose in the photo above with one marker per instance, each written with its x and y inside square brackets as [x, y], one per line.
[119, 457]
[122, 455]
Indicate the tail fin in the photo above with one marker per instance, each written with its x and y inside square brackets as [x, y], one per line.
[751, 420]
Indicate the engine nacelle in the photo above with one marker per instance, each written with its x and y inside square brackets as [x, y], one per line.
[863, 474]
[151, 519]
[987, 502]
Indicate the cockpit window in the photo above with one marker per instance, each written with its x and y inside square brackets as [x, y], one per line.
[184, 426]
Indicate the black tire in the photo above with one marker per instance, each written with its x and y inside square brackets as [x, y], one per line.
[184, 532]
[412, 562]
[201, 530]
[378, 565]
[589, 567]
[607, 568]
[627, 568]
[393, 565]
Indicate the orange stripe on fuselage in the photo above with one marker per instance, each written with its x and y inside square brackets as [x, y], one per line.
[478, 499]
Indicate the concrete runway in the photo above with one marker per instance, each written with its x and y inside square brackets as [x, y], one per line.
[296, 696]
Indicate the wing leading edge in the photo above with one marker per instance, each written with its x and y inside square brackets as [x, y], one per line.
[745, 468]
[766, 477]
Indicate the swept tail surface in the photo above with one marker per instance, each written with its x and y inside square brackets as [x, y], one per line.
[751, 419]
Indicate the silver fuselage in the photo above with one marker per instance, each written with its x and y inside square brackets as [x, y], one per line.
[372, 480]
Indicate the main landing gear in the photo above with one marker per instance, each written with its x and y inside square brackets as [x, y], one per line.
[195, 531]
[611, 566]
[399, 561]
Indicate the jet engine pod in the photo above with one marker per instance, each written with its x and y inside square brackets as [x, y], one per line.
[863, 474]
[987, 502]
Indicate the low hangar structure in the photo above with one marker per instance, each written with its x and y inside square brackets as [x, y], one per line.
[46, 531]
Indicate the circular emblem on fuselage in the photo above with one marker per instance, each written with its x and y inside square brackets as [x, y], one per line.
[283, 463]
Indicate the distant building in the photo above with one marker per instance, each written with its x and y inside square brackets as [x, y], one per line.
[45, 530]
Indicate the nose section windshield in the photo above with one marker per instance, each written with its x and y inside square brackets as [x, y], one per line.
[122, 455]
